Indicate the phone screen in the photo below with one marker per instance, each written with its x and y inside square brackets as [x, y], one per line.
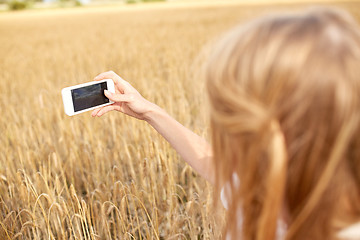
[89, 96]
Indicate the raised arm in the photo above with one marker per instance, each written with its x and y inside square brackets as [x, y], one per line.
[191, 147]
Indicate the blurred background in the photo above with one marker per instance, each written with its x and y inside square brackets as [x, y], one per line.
[112, 177]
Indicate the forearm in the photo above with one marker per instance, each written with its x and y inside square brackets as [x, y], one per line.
[194, 149]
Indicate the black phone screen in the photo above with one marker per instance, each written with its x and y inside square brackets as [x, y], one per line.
[89, 96]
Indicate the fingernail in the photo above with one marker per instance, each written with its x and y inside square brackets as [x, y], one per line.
[107, 92]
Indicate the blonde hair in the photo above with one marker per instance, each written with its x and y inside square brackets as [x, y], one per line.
[284, 97]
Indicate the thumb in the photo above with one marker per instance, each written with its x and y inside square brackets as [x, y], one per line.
[116, 97]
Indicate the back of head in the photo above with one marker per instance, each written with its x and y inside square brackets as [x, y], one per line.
[284, 92]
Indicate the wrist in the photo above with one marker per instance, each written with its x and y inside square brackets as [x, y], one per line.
[153, 114]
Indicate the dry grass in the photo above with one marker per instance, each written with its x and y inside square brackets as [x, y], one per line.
[114, 177]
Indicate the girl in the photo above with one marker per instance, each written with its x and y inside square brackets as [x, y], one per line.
[284, 93]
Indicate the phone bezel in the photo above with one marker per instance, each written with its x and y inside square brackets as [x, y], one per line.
[68, 101]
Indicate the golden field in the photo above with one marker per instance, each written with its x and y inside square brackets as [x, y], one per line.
[111, 177]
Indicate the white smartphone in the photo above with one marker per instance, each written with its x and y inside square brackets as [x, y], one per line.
[87, 96]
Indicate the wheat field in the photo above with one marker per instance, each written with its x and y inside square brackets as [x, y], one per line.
[112, 177]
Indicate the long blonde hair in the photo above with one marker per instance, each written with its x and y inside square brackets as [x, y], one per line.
[284, 95]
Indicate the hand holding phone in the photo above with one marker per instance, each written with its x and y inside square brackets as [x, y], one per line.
[87, 96]
[126, 99]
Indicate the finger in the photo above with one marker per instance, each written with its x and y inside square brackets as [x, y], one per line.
[118, 97]
[120, 83]
[110, 75]
[108, 109]
[105, 75]
[94, 113]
